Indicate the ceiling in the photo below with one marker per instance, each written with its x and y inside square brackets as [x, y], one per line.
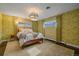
[23, 9]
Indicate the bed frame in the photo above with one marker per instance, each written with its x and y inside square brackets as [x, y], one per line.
[31, 42]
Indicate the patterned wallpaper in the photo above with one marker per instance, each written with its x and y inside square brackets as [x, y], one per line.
[40, 27]
[70, 27]
[35, 26]
[0, 26]
[8, 26]
[59, 28]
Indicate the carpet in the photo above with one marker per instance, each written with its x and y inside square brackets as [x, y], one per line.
[33, 51]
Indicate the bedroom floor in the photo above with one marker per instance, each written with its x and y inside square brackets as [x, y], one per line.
[47, 48]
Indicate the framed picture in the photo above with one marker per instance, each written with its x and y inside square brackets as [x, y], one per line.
[25, 24]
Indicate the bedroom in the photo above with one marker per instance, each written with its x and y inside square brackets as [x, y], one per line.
[39, 29]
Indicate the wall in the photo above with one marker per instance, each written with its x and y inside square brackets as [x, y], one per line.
[0, 26]
[40, 27]
[70, 27]
[35, 26]
[7, 26]
[59, 28]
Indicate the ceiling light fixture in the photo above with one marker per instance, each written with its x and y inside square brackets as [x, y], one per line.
[33, 16]
[33, 13]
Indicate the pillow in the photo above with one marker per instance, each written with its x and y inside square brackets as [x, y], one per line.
[35, 34]
[27, 31]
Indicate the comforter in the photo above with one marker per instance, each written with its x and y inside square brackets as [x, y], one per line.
[24, 37]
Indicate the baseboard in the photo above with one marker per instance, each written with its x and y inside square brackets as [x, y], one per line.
[76, 49]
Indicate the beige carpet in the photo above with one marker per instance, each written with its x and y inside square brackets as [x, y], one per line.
[33, 51]
[45, 49]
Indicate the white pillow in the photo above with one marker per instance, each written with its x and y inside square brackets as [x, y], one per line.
[27, 31]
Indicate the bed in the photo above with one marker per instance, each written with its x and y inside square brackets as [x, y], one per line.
[28, 37]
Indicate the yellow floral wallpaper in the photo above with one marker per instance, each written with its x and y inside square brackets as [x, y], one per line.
[35, 26]
[40, 27]
[70, 27]
[59, 28]
[0, 26]
[8, 26]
